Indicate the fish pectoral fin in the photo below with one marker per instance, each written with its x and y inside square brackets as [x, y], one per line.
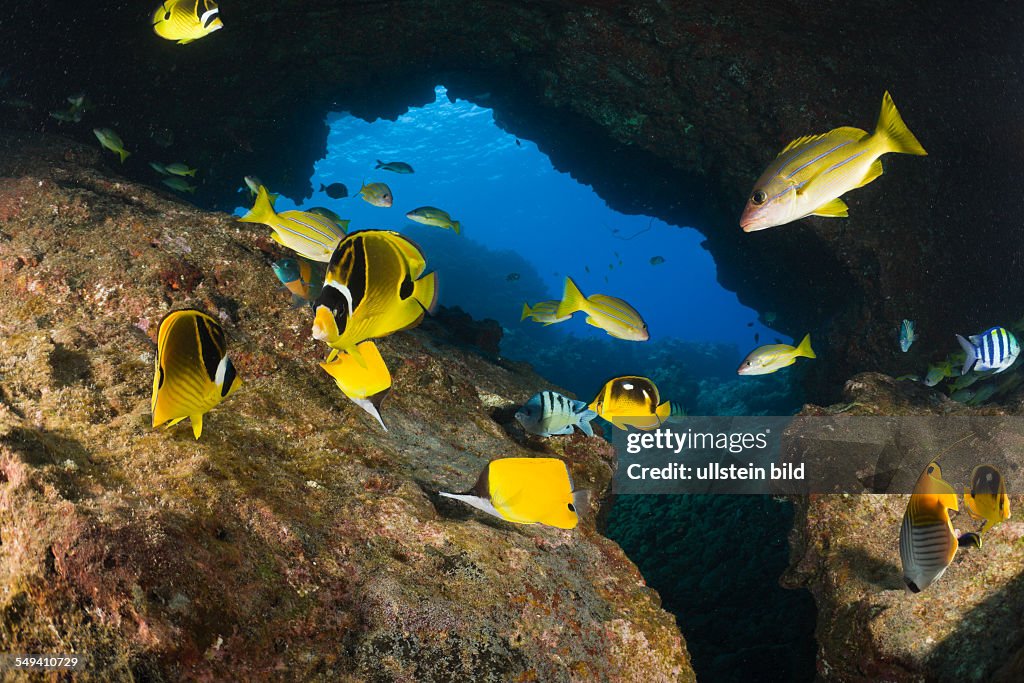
[874, 171]
[834, 209]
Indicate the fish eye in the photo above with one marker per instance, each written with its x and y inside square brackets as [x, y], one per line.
[572, 508]
[759, 197]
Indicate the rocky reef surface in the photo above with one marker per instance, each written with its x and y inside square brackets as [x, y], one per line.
[667, 107]
[295, 539]
[968, 626]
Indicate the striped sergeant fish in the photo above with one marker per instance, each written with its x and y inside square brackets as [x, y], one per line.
[549, 413]
[612, 315]
[994, 349]
[811, 173]
[307, 234]
[193, 372]
[927, 541]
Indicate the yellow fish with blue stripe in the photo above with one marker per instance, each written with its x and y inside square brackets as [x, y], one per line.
[526, 491]
[928, 543]
[544, 312]
[811, 174]
[186, 20]
[367, 384]
[611, 314]
[986, 500]
[308, 234]
[375, 286]
[193, 372]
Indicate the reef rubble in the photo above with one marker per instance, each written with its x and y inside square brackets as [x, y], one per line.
[296, 539]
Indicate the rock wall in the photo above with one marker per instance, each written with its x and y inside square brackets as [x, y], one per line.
[671, 108]
[296, 540]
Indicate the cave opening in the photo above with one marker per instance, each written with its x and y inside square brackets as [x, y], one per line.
[524, 227]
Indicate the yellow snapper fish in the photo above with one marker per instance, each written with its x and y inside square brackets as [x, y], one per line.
[609, 313]
[631, 401]
[811, 173]
[543, 312]
[365, 385]
[986, 499]
[377, 194]
[374, 287]
[110, 140]
[179, 184]
[429, 215]
[193, 372]
[927, 541]
[770, 358]
[178, 168]
[307, 234]
[186, 20]
[526, 491]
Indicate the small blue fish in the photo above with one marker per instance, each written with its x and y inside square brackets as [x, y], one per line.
[907, 335]
[549, 413]
[994, 349]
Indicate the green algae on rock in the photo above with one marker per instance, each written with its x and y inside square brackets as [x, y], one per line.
[295, 539]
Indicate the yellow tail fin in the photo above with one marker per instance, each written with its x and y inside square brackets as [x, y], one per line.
[804, 349]
[424, 291]
[526, 311]
[457, 226]
[893, 133]
[572, 300]
[262, 209]
[664, 411]
[124, 154]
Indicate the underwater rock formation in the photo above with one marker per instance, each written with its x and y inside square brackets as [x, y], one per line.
[295, 539]
[670, 108]
[967, 626]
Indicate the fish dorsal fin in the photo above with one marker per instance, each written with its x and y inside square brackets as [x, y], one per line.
[801, 141]
[834, 209]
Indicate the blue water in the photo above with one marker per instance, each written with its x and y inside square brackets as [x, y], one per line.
[518, 213]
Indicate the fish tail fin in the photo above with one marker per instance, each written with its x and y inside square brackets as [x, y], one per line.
[124, 154]
[424, 291]
[380, 164]
[526, 312]
[804, 349]
[262, 210]
[197, 424]
[457, 227]
[585, 417]
[893, 133]
[970, 354]
[572, 300]
[322, 187]
[664, 411]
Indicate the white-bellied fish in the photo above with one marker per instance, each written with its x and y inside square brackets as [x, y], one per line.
[986, 498]
[178, 168]
[375, 286]
[526, 491]
[631, 401]
[179, 184]
[429, 215]
[394, 166]
[110, 140]
[907, 335]
[253, 183]
[544, 312]
[773, 357]
[366, 384]
[994, 349]
[927, 541]
[811, 174]
[299, 278]
[548, 413]
[193, 372]
[608, 313]
[307, 234]
[377, 194]
[186, 20]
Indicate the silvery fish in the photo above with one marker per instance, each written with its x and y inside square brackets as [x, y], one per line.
[907, 335]
[811, 173]
[549, 413]
[994, 349]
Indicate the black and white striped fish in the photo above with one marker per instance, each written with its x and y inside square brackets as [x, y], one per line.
[548, 413]
[994, 349]
[927, 540]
